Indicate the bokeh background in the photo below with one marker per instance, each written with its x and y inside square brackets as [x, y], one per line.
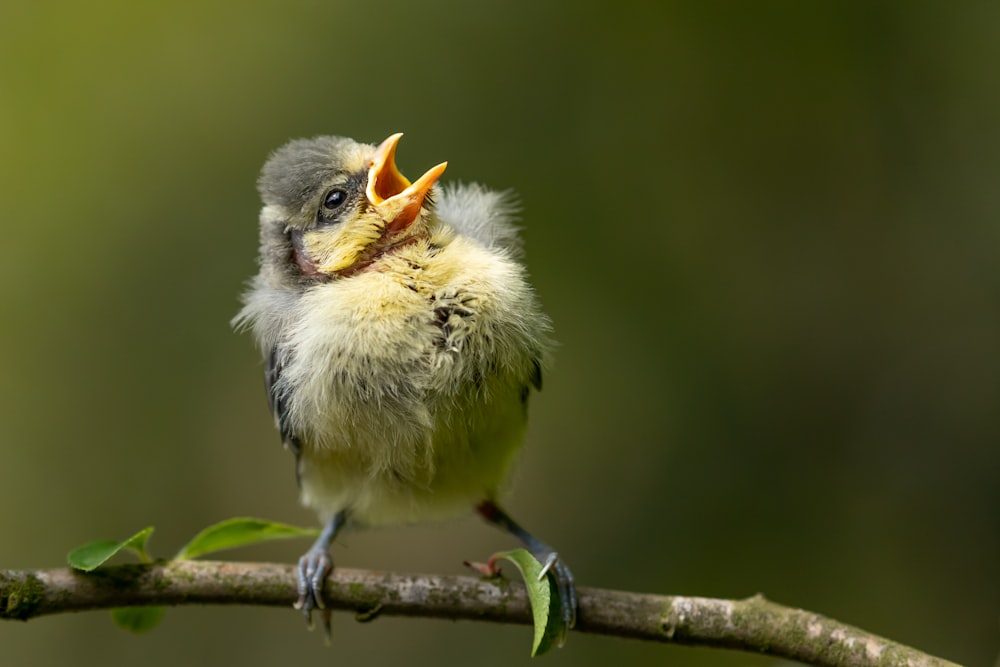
[766, 232]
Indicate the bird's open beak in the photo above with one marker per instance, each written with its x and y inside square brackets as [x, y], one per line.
[396, 199]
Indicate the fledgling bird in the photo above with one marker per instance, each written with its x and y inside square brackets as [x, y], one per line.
[401, 342]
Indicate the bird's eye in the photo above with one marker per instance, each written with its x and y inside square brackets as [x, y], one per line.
[334, 199]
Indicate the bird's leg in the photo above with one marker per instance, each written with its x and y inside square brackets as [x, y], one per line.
[545, 554]
[314, 567]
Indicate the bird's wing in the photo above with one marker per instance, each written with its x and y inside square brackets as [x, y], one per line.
[536, 372]
[278, 402]
[482, 214]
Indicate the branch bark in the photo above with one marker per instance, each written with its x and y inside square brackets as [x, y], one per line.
[754, 624]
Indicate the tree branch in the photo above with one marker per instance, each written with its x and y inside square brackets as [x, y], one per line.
[753, 624]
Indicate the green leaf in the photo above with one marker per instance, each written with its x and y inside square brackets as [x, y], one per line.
[137, 619]
[239, 532]
[92, 555]
[545, 603]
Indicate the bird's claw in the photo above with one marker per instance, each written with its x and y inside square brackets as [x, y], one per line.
[314, 567]
[547, 565]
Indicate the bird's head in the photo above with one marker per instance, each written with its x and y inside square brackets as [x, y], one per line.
[333, 206]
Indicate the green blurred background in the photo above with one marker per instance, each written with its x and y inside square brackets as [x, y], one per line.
[766, 232]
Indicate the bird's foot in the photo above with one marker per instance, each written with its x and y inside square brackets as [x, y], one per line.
[551, 565]
[562, 577]
[314, 567]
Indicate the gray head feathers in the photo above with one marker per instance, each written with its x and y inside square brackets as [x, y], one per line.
[296, 171]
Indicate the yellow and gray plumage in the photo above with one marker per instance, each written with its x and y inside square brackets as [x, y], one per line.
[401, 341]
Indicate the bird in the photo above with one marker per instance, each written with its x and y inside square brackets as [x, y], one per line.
[401, 342]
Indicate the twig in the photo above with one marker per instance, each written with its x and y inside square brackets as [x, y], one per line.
[753, 624]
